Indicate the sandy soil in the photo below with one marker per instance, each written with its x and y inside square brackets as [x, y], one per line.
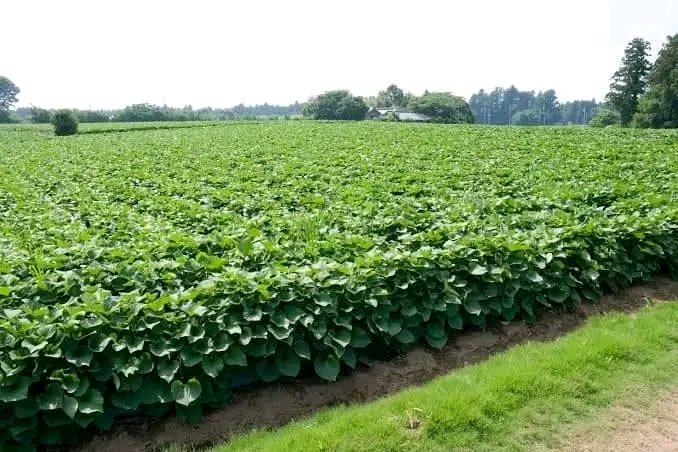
[277, 404]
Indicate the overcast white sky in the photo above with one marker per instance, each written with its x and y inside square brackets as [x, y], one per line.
[106, 54]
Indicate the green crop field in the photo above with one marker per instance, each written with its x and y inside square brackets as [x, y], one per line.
[153, 270]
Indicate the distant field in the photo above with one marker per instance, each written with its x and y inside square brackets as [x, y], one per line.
[149, 270]
[88, 128]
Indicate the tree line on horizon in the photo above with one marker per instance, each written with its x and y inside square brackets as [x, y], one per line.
[149, 112]
[641, 95]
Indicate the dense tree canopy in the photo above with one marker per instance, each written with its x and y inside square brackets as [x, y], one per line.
[338, 105]
[8, 93]
[442, 107]
[578, 111]
[629, 81]
[658, 107]
[40, 115]
[502, 105]
[392, 97]
[529, 117]
[604, 117]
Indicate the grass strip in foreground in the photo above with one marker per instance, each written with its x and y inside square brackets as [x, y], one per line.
[517, 400]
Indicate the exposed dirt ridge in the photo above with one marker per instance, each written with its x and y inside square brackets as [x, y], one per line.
[278, 404]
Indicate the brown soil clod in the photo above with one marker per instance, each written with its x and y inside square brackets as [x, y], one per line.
[280, 403]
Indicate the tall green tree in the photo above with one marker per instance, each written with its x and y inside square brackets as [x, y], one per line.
[391, 97]
[8, 93]
[629, 81]
[547, 105]
[658, 107]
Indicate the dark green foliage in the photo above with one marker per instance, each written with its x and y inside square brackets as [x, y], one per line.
[202, 259]
[336, 105]
[578, 111]
[143, 112]
[8, 93]
[85, 116]
[443, 107]
[529, 117]
[629, 81]
[506, 106]
[603, 117]
[392, 97]
[65, 123]
[40, 116]
[658, 107]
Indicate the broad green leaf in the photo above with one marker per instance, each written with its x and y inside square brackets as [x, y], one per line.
[293, 313]
[79, 356]
[91, 402]
[534, 277]
[185, 394]
[267, 370]
[477, 270]
[51, 398]
[435, 329]
[190, 357]
[301, 348]
[318, 328]
[167, 369]
[212, 365]
[234, 356]
[359, 338]
[436, 342]
[288, 363]
[349, 358]
[18, 390]
[327, 367]
[455, 321]
[340, 336]
[405, 336]
[473, 307]
[70, 406]
[245, 247]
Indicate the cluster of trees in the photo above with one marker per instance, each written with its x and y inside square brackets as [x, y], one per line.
[643, 94]
[512, 106]
[148, 112]
[39, 115]
[442, 107]
[342, 105]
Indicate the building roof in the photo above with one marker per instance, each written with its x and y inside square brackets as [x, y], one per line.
[402, 115]
[406, 116]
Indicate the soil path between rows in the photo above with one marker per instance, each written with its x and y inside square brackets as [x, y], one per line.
[628, 429]
[278, 404]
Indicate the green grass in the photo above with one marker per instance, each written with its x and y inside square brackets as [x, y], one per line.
[525, 397]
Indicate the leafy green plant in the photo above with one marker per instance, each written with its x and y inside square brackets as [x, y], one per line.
[202, 259]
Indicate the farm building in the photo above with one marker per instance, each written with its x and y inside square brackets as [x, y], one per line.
[383, 113]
